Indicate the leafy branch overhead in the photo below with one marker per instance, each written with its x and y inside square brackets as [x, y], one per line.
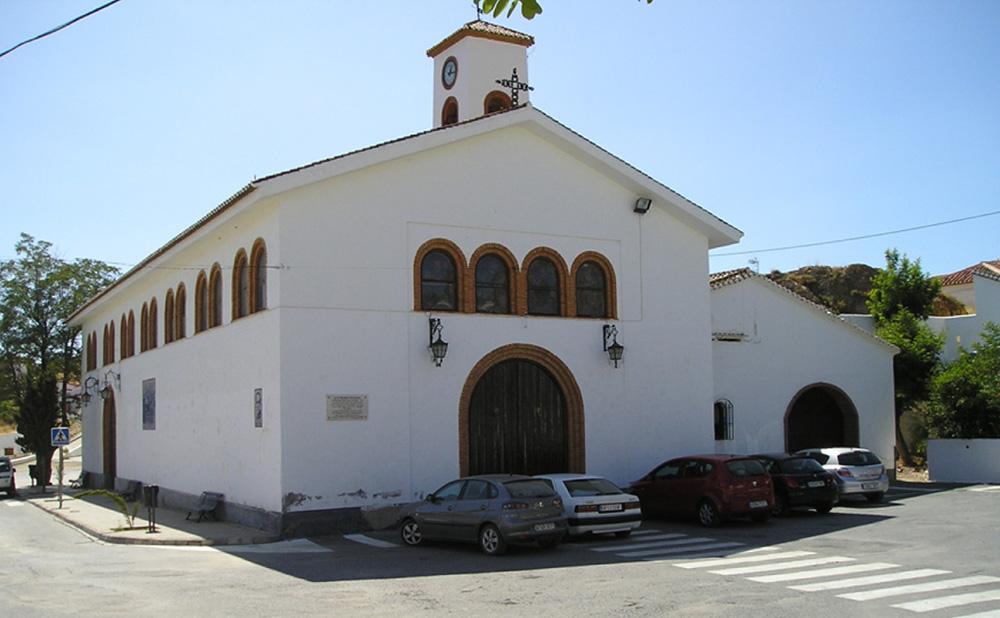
[529, 8]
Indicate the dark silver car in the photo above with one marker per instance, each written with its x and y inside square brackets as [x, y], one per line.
[492, 510]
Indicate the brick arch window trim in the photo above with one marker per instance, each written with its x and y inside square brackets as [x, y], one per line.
[144, 328]
[562, 275]
[131, 333]
[215, 296]
[258, 276]
[123, 337]
[610, 282]
[111, 343]
[241, 285]
[168, 317]
[575, 434]
[104, 347]
[180, 312]
[449, 112]
[461, 267]
[151, 338]
[496, 101]
[201, 302]
[512, 275]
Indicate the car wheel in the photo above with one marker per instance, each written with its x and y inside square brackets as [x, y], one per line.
[623, 534]
[491, 541]
[760, 517]
[826, 507]
[875, 497]
[410, 532]
[708, 514]
[780, 506]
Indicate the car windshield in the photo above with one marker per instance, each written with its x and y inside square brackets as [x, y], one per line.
[858, 458]
[528, 488]
[591, 487]
[4, 466]
[745, 467]
[799, 465]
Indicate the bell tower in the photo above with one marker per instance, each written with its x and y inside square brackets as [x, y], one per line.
[467, 66]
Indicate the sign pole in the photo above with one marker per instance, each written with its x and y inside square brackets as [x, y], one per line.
[60, 475]
[60, 438]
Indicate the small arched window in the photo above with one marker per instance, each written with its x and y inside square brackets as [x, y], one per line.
[104, 347]
[151, 338]
[180, 312]
[144, 328]
[723, 419]
[123, 335]
[496, 101]
[258, 277]
[215, 297]
[201, 303]
[449, 112]
[241, 285]
[591, 291]
[543, 287]
[131, 333]
[110, 358]
[168, 317]
[438, 282]
[92, 351]
[492, 285]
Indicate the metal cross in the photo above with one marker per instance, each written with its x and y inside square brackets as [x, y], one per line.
[515, 86]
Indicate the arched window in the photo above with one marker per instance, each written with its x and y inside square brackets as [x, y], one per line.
[492, 285]
[92, 351]
[168, 317]
[591, 291]
[180, 312]
[438, 282]
[215, 297]
[123, 334]
[543, 287]
[496, 101]
[258, 276]
[449, 112]
[151, 337]
[144, 328]
[241, 285]
[723, 419]
[201, 303]
[131, 333]
[110, 357]
[104, 347]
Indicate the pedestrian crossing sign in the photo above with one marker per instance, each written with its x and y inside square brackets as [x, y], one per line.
[60, 436]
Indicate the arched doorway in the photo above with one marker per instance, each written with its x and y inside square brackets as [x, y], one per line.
[521, 412]
[110, 447]
[820, 415]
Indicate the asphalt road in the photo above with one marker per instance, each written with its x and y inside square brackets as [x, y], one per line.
[53, 570]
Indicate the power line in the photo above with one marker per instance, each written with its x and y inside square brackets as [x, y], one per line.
[58, 28]
[853, 238]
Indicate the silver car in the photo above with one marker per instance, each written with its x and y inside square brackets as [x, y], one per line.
[595, 505]
[857, 470]
[7, 482]
[491, 510]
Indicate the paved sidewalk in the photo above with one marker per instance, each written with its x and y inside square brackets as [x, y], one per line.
[99, 517]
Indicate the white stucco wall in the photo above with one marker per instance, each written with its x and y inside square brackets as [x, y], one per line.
[964, 461]
[963, 331]
[480, 63]
[790, 345]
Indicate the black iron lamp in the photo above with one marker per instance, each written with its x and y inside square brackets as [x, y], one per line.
[88, 385]
[438, 347]
[614, 349]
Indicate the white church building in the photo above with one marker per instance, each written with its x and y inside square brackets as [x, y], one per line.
[287, 350]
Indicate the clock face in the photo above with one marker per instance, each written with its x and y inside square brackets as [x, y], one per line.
[449, 72]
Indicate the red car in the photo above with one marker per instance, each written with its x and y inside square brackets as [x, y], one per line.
[713, 487]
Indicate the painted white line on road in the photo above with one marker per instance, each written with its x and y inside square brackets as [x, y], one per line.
[13, 503]
[675, 539]
[295, 546]
[722, 553]
[782, 566]
[673, 551]
[367, 540]
[917, 588]
[742, 558]
[983, 488]
[990, 613]
[929, 605]
[871, 579]
[857, 568]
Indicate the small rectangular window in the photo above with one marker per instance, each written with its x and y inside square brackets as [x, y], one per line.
[723, 420]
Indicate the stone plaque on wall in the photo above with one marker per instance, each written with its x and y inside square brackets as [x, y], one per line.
[347, 407]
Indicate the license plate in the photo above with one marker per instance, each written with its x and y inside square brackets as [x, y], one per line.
[814, 484]
[869, 485]
[544, 527]
[607, 508]
[758, 504]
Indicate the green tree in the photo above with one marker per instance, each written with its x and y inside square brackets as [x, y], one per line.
[529, 8]
[965, 399]
[900, 300]
[40, 352]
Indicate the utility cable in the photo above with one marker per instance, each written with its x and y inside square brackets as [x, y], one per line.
[58, 28]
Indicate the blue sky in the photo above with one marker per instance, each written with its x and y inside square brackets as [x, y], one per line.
[795, 121]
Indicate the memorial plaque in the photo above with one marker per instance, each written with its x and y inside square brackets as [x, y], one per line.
[347, 407]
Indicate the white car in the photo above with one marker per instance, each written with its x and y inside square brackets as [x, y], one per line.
[857, 470]
[7, 483]
[595, 505]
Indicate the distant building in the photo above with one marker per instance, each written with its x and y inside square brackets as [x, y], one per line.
[978, 288]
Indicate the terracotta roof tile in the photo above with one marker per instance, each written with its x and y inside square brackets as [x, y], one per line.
[987, 269]
[483, 30]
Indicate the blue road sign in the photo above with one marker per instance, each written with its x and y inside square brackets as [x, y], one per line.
[60, 436]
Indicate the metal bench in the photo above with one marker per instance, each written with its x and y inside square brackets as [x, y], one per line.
[208, 502]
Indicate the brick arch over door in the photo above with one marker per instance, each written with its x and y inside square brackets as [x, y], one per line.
[561, 375]
[821, 415]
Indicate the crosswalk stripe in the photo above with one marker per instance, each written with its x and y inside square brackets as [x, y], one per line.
[944, 584]
[870, 579]
[721, 553]
[683, 549]
[954, 600]
[367, 540]
[782, 566]
[742, 559]
[844, 570]
[664, 543]
[990, 613]
[641, 532]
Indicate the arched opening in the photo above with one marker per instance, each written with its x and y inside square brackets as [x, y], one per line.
[820, 415]
[110, 446]
[449, 112]
[521, 413]
[496, 101]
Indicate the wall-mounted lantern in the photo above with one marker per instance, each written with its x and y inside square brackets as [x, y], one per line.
[111, 379]
[438, 347]
[614, 349]
[90, 384]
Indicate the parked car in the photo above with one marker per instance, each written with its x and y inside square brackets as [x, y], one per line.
[857, 470]
[713, 487]
[7, 481]
[491, 510]
[799, 481]
[595, 505]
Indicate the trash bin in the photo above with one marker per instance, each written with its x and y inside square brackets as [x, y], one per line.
[150, 496]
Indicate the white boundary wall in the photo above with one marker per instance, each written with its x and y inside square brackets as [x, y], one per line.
[964, 461]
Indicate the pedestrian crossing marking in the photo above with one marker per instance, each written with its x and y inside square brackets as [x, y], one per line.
[870, 579]
[367, 540]
[742, 559]
[662, 539]
[782, 566]
[928, 605]
[990, 613]
[683, 549]
[945, 584]
[984, 488]
[858, 568]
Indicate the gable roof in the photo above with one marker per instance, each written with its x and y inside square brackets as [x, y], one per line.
[989, 269]
[483, 30]
[718, 232]
[727, 278]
